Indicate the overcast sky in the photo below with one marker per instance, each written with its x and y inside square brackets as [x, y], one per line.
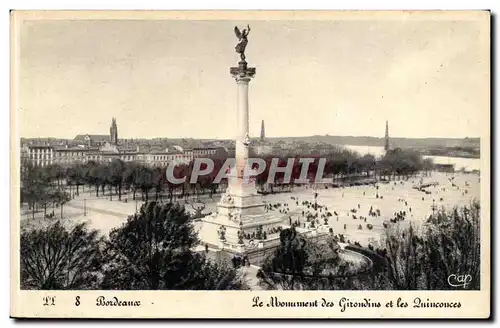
[167, 78]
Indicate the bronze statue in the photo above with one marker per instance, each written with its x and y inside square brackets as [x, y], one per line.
[243, 41]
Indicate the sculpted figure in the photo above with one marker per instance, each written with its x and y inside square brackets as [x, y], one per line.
[246, 139]
[226, 199]
[243, 41]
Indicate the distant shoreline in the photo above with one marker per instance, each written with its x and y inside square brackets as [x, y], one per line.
[472, 156]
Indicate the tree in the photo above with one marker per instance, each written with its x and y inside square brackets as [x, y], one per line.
[153, 250]
[45, 199]
[144, 181]
[304, 264]
[405, 258]
[55, 258]
[116, 173]
[401, 162]
[98, 177]
[130, 177]
[427, 165]
[102, 176]
[286, 267]
[183, 170]
[34, 186]
[449, 243]
[93, 175]
[367, 163]
[159, 180]
[217, 276]
[453, 244]
[53, 172]
[61, 198]
[77, 175]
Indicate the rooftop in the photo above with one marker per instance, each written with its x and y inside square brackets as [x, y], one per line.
[93, 137]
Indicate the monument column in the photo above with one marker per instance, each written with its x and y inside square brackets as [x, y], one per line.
[242, 74]
[241, 210]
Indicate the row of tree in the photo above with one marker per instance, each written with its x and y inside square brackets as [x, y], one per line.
[39, 191]
[50, 184]
[342, 164]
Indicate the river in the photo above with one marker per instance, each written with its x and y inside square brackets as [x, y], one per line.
[468, 164]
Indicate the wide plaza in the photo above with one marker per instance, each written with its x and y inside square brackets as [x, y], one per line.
[349, 206]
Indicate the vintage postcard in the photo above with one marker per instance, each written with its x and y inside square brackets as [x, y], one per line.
[250, 164]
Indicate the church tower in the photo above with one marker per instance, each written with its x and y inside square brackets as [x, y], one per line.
[262, 131]
[386, 146]
[113, 131]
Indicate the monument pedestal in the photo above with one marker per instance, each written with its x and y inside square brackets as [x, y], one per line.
[242, 212]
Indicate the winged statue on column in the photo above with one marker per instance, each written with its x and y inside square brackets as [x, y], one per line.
[243, 41]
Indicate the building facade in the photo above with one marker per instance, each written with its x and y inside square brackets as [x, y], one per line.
[44, 155]
[40, 155]
[105, 148]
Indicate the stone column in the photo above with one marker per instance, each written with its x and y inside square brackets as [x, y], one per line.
[242, 126]
[242, 74]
